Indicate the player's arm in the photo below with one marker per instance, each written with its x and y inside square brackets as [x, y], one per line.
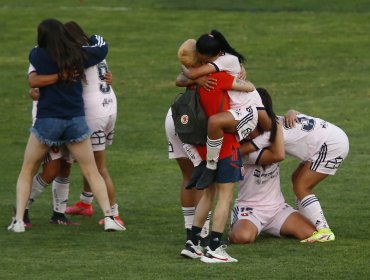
[204, 81]
[195, 73]
[242, 85]
[96, 52]
[36, 81]
[275, 152]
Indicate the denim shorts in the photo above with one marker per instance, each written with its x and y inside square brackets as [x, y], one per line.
[58, 131]
[229, 169]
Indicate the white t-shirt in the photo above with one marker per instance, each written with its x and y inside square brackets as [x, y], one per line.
[238, 99]
[302, 141]
[260, 188]
[99, 97]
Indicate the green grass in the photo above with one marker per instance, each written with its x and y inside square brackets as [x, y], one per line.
[311, 55]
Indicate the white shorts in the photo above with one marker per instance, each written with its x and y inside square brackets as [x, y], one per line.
[175, 149]
[248, 119]
[267, 221]
[332, 153]
[55, 153]
[103, 131]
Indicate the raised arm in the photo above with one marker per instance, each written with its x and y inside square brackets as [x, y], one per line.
[275, 152]
[243, 85]
[96, 52]
[195, 73]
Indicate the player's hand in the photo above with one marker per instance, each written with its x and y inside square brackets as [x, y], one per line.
[34, 93]
[109, 78]
[207, 83]
[290, 118]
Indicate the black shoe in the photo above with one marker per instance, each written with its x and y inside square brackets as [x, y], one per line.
[61, 219]
[207, 178]
[197, 172]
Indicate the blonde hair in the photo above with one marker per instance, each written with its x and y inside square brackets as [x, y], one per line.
[187, 53]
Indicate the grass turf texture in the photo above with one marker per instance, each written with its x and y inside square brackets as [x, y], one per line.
[311, 55]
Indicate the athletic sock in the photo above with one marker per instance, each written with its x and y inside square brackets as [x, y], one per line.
[87, 197]
[38, 186]
[188, 213]
[192, 153]
[205, 228]
[60, 194]
[195, 234]
[213, 152]
[311, 208]
[215, 240]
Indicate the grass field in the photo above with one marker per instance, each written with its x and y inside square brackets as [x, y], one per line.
[311, 55]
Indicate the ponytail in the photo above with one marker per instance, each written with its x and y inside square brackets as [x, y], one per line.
[267, 102]
[213, 43]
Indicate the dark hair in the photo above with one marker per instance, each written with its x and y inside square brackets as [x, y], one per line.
[62, 48]
[213, 43]
[77, 33]
[267, 102]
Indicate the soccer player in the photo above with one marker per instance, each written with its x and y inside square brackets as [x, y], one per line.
[322, 147]
[57, 124]
[260, 204]
[228, 172]
[217, 55]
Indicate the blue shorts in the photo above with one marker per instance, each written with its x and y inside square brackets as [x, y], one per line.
[229, 169]
[58, 131]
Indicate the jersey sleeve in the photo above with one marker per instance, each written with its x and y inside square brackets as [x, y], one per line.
[96, 52]
[226, 63]
[31, 69]
[262, 141]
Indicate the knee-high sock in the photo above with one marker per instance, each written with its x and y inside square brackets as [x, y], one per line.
[311, 208]
[38, 186]
[213, 152]
[60, 194]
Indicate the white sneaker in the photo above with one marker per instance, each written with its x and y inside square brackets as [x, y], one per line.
[113, 225]
[16, 226]
[192, 251]
[217, 256]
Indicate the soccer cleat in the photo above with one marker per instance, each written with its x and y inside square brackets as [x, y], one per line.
[322, 235]
[61, 219]
[113, 224]
[195, 175]
[192, 251]
[217, 256]
[16, 226]
[80, 208]
[207, 178]
[101, 221]
[26, 219]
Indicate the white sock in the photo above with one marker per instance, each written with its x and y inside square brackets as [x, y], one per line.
[192, 153]
[114, 210]
[87, 197]
[311, 208]
[205, 229]
[60, 194]
[188, 213]
[298, 205]
[38, 186]
[213, 152]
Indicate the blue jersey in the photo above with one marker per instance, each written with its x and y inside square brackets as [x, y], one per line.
[64, 99]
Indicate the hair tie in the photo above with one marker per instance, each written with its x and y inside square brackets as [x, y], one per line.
[210, 35]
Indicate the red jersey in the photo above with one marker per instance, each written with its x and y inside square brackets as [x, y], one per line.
[215, 101]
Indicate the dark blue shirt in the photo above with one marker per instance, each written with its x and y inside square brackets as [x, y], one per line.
[64, 99]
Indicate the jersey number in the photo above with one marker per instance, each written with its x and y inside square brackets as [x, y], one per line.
[307, 123]
[103, 69]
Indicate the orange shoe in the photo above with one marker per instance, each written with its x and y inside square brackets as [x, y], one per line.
[80, 208]
[117, 218]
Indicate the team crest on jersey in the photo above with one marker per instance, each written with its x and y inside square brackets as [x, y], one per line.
[184, 119]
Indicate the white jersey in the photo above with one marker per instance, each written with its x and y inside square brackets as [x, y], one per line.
[238, 99]
[302, 141]
[99, 98]
[260, 188]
